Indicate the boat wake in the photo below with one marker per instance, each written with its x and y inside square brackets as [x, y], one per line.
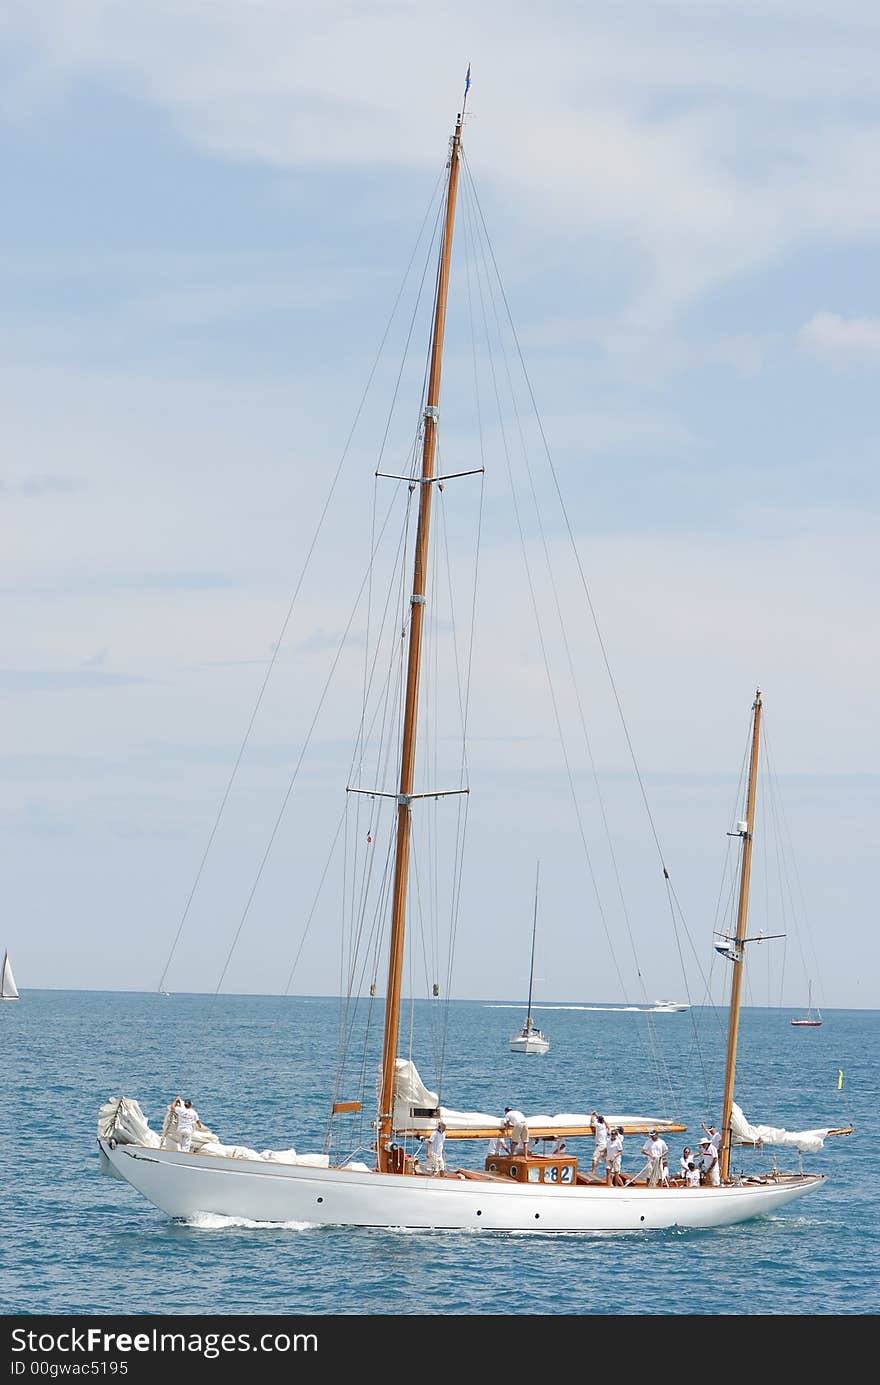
[215, 1221]
[599, 1009]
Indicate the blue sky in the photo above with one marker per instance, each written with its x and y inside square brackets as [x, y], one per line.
[207, 209]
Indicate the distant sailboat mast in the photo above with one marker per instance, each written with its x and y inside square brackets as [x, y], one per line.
[809, 1020]
[532, 961]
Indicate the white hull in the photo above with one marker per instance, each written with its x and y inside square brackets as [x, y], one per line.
[185, 1185]
[529, 1043]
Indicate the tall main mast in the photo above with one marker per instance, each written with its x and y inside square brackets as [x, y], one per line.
[411, 697]
[739, 942]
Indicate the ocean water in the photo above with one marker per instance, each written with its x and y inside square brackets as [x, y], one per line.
[259, 1070]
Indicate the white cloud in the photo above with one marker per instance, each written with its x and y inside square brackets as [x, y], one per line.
[841, 340]
[702, 144]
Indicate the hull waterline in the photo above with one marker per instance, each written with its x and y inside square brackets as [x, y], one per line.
[532, 1044]
[187, 1185]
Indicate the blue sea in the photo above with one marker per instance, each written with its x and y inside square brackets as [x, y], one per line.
[259, 1070]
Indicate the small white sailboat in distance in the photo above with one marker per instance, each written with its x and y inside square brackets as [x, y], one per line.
[530, 1039]
[8, 988]
[809, 1020]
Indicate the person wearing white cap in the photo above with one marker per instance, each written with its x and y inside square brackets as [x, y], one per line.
[709, 1157]
[656, 1151]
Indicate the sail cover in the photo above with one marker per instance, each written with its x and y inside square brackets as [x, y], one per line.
[808, 1141]
[416, 1109]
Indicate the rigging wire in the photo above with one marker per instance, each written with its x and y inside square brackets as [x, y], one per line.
[654, 1050]
[349, 982]
[339, 651]
[573, 542]
[804, 935]
[398, 564]
[463, 676]
[301, 578]
[533, 594]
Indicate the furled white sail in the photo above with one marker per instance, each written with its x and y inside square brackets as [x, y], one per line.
[808, 1141]
[121, 1119]
[8, 988]
[411, 1095]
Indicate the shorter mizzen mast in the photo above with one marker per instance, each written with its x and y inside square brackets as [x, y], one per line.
[737, 950]
[734, 1124]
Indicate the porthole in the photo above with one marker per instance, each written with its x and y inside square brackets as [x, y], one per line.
[512, 1170]
[641, 1218]
[479, 1213]
[320, 1199]
[537, 1216]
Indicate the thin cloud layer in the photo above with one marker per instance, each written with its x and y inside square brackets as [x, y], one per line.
[712, 141]
[842, 341]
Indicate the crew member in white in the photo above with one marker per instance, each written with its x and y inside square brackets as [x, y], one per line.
[517, 1131]
[653, 1150]
[711, 1168]
[187, 1120]
[600, 1151]
[436, 1142]
[613, 1177]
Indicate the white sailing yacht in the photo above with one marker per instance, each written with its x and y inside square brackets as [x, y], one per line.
[8, 988]
[530, 1038]
[389, 1189]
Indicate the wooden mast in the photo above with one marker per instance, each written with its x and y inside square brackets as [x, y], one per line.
[739, 943]
[411, 697]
